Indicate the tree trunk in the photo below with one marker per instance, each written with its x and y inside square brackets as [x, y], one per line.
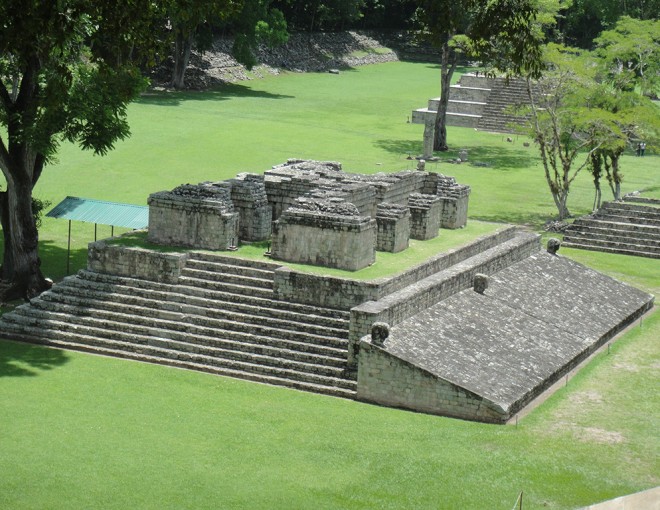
[447, 68]
[20, 270]
[182, 48]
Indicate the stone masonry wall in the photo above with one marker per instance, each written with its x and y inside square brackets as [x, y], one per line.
[328, 233]
[386, 380]
[393, 223]
[135, 262]
[345, 293]
[198, 216]
[425, 215]
[248, 195]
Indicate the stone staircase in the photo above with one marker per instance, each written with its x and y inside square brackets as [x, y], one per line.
[618, 227]
[221, 317]
[503, 95]
[479, 102]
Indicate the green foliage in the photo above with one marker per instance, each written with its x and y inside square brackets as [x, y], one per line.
[630, 52]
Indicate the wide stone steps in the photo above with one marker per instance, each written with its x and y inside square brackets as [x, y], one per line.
[220, 317]
[206, 297]
[621, 250]
[194, 341]
[337, 386]
[618, 237]
[185, 325]
[87, 299]
[625, 228]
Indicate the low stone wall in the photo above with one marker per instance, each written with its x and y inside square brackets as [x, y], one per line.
[135, 262]
[345, 293]
[389, 381]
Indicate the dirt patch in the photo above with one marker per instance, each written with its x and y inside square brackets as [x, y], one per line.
[628, 367]
[596, 435]
[586, 397]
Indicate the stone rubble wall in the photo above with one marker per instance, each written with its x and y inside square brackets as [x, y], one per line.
[248, 194]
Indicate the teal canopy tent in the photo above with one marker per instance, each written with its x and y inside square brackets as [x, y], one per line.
[99, 212]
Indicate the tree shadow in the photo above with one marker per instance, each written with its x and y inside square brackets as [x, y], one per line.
[504, 158]
[220, 93]
[19, 359]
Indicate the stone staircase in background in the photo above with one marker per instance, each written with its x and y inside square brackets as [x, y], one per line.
[495, 117]
[221, 318]
[480, 103]
[618, 227]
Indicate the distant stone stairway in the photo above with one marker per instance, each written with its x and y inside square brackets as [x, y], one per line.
[221, 317]
[503, 95]
[618, 227]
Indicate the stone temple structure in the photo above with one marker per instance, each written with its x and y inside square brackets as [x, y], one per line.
[476, 332]
[316, 213]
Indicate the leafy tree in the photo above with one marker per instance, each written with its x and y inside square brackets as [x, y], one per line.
[313, 15]
[631, 53]
[502, 33]
[584, 20]
[191, 20]
[67, 72]
[566, 130]
[257, 23]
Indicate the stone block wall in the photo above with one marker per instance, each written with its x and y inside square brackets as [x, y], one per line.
[454, 198]
[393, 224]
[327, 233]
[200, 216]
[135, 262]
[343, 293]
[386, 380]
[425, 215]
[248, 195]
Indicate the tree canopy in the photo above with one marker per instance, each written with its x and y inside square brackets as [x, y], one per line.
[67, 71]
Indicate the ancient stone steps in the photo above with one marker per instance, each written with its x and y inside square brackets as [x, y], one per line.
[212, 298]
[618, 227]
[88, 298]
[143, 322]
[337, 386]
[602, 237]
[621, 250]
[194, 341]
[222, 314]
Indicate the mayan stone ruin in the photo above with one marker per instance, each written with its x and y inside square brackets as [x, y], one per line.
[475, 332]
[314, 212]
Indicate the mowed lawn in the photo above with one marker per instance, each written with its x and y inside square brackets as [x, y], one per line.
[80, 431]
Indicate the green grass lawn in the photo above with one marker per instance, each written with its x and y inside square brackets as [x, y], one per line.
[80, 431]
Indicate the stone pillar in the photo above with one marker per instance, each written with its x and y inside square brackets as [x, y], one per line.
[393, 227]
[425, 215]
[429, 132]
[248, 194]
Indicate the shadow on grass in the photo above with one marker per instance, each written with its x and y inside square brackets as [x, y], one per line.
[498, 158]
[221, 93]
[535, 221]
[26, 360]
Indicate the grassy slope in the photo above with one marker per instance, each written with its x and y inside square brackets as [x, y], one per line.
[81, 431]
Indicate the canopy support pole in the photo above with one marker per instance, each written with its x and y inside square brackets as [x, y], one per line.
[68, 251]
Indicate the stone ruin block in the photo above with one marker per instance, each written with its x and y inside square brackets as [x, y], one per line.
[454, 199]
[329, 233]
[425, 215]
[248, 194]
[197, 216]
[393, 227]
